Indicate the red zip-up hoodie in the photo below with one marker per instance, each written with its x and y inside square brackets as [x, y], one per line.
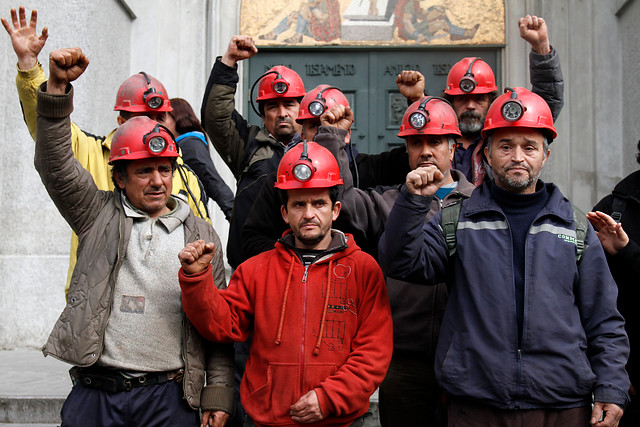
[325, 327]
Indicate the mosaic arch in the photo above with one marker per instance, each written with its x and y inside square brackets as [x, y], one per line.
[374, 22]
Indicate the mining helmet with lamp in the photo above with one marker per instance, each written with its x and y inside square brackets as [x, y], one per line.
[470, 76]
[519, 108]
[278, 82]
[430, 115]
[320, 99]
[142, 93]
[468, 83]
[308, 165]
[142, 138]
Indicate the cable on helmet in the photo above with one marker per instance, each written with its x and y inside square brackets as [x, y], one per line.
[279, 86]
[512, 110]
[150, 96]
[468, 82]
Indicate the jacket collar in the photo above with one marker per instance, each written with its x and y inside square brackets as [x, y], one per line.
[482, 202]
[265, 137]
[339, 242]
[171, 220]
[464, 187]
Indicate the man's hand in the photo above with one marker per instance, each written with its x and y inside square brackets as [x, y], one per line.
[239, 49]
[196, 256]
[411, 84]
[65, 65]
[534, 30]
[610, 233]
[306, 409]
[613, 413]
[24, 38]
[214, 418]
[337, 116]
[425, 180]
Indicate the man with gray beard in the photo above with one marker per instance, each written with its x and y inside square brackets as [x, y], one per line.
[531, 334]
[471, 88]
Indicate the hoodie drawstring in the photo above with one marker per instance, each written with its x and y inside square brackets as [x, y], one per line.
[316, 350]
[283, 310]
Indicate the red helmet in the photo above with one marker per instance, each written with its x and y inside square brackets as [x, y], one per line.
[280, 82]
[308, 165]
[319, 100]
[470, 75]
[430, 115]
[142, 138]
[519, 108]
[142, 93]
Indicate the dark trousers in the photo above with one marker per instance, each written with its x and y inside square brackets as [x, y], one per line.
[161, 405]
[464, 413]
[409, 394]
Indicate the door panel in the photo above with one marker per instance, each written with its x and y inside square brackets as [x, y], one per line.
[367, 77]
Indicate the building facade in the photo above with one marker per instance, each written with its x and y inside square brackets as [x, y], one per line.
[178, 40]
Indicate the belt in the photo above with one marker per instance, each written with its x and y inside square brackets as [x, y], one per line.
[115, 381]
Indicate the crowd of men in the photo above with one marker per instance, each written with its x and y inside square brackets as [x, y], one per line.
[444, 273]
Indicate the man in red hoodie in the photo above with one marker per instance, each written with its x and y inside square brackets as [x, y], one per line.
[316, 304]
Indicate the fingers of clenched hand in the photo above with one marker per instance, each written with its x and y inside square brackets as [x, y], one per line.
[65, 58]
[409, 77]
[422, 177]
[245, 43]
[339, 116]
[192, 252]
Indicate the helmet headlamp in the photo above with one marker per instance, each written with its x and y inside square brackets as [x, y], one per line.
[302, 171]
[512, 110]
[316, 108]
[155, 141]
[319, 105]
[303, 168]
[468, 83]
[419, 118]
[150, 96]
[279, 85]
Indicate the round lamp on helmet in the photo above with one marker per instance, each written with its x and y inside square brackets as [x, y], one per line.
[429, 115]
[142, 93]
[470, 76]
[308, 165]
[142, 138]
[519, 108]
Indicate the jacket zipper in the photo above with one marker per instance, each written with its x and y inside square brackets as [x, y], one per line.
[518, 378]
[304, 322]
[524, 321]
[516, 398]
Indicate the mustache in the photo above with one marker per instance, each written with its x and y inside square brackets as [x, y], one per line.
[288, 120]
[519, 166]
[470, 115]
[309, 221]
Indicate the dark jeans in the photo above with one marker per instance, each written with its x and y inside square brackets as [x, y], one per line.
[409, 394]
[161, 405]
[464, 413]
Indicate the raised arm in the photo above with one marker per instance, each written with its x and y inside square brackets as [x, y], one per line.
[27, 45]
[544, 63]
[228, 130]
[70, 186]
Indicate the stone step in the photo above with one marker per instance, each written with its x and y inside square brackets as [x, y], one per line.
[32, 387]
